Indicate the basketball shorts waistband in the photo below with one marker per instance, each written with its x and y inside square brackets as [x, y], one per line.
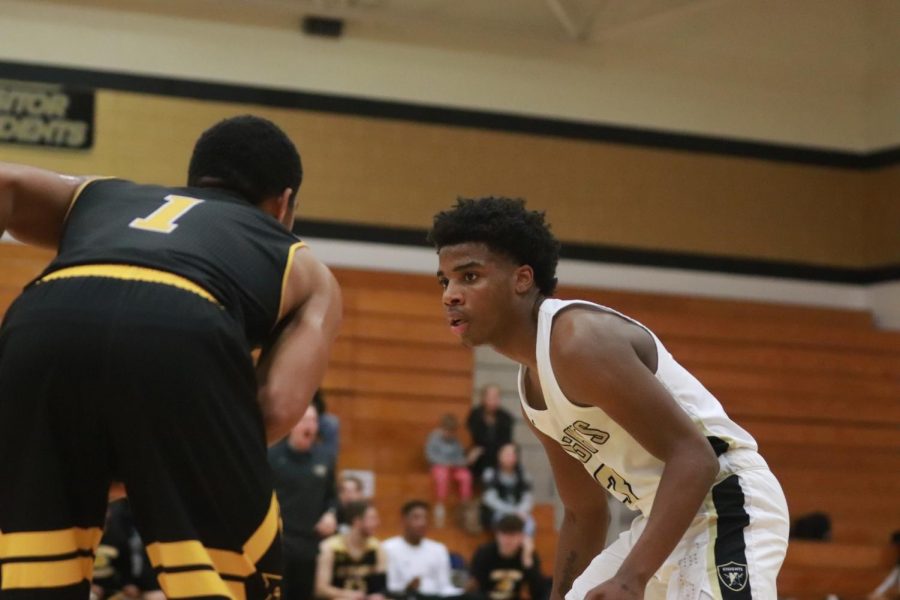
[131, 273]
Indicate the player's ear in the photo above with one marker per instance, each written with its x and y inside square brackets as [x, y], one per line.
[524, 279]
[285, 206]
[280, 207]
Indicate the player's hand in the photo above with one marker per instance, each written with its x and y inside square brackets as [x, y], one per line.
[327, 524]
[528, 552]
[617, 588]
[116, 491]
[413, 584]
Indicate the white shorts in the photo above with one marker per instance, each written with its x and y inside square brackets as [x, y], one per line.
[733, 549]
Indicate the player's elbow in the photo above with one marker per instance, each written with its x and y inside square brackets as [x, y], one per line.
[281, 411]
[704, 461]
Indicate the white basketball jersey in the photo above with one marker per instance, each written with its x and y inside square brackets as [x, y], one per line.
[608, 452]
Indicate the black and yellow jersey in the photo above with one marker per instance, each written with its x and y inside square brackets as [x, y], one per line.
[351, 572]
[211, 237]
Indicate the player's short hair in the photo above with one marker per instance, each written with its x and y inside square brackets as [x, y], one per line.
[248, 155]
[510, 524]
[413, 505]
[356, 510]
[505, 226]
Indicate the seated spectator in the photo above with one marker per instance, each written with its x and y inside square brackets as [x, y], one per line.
[890, 587]
[417, 567]
[490, 427]
[507, 491]
[499, 568]
[351, 565]
[447, 459]
[329, 427]
[349, 489]
[121, 566]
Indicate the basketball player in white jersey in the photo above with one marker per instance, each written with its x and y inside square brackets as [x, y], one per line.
[614, 412]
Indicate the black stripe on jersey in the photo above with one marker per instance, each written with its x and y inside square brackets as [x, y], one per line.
[719, 445]
[47, 557]
[76, 590]
[732, 570]
[183, 568]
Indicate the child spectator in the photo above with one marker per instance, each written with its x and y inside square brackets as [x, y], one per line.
[507, 491]
[447, 459]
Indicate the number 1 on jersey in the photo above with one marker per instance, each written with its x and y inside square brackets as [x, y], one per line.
[162, 220]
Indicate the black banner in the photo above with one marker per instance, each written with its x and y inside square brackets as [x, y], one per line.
[40, 114]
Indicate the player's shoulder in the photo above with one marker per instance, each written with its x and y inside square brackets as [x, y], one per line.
[373, 543]
[391, 542]
[434, 546]
[585, 327]
[334, 543]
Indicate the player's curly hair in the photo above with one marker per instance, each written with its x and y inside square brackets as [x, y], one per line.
[248, 155]
[506, 227]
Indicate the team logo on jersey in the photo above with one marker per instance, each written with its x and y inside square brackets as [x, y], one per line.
[733, 575]
[581, 440]
[272, 584]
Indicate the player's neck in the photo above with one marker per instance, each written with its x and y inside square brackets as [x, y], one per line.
[356, 539]
[519, 342]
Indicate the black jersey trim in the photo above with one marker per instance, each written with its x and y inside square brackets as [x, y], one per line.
[730, 548]
[445, 115]
[719, 445]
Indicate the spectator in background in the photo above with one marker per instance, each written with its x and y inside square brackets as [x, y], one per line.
[890, 587]
[329, 427]
[352, 565]
[490, 427]
[303, 474]
[417, 567]
[121, 566]
[349, 489]
[448, 460]
[500, 568]
[507, 491]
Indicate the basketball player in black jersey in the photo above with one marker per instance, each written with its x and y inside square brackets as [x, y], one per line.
[129, 359]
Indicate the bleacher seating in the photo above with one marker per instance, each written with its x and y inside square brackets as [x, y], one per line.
[818, 388]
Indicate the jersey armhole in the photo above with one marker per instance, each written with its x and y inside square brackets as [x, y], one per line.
[284, 278]
[78, 192]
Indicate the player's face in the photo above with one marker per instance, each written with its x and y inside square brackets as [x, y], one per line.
[509, 543]
[370, 521]
[415, 523]
[491, 398]
[304, 433]
[478, 291]
[507, 457]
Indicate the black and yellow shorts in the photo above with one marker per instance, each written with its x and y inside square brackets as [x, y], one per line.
[122, 377]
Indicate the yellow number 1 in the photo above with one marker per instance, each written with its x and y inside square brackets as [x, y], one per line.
[162, 220]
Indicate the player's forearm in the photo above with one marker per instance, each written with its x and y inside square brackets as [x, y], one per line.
[581, 538]
[291, 375]
[685, 482]
[7, 191]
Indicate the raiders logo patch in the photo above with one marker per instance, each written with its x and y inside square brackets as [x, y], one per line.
[733, 575]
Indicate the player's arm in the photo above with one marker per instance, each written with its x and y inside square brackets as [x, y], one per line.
[34, 203]
[598, 361]
[292, 368]
[585, 518]
[324, 568]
